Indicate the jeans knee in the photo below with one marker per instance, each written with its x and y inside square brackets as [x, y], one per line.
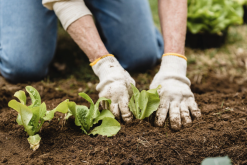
[23, 73]
[19, 68]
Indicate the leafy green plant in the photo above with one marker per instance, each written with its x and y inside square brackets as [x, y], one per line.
[217, 161]
[213, 16]
[242, 2]
[86, 118]
[143, 104]
[32, 117]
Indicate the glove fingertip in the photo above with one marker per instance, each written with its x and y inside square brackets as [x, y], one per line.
[196, 114]
[187, 124]
[126, 115]
[128, 120]
[186, 120]
[175, 123]
[176, 127]
[115, 111]
[195, 111]
[159, 121]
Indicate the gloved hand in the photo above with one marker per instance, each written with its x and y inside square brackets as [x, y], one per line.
[115, 85]
[175, 94]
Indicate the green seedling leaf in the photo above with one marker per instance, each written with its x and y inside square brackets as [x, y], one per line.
[82, 115]
[143, 104]
[86, 118]
[96, 110]
[103, 114]
[152, 105]
[86, 97]
[35, 97]
[21, 96]
[35, 119]
[136, 95]
[154, 91]
[68, 115]
[14, 105]
[93, 112]
[25, 115]
[72, 111]
[18, 119]
[132, 107]
[109, 127]
[62, 107]
[134, 102]
[39, 114]
[49, 115]
[96, 106]
[34, 141]
[143, 101]
[217, 161]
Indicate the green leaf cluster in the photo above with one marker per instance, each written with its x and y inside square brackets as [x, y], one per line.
[242, 2]
[217, 161]
[32, 117]
[213, 16]
[86, 118]
[143, 104]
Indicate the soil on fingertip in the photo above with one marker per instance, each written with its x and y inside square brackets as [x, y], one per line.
[221, 131]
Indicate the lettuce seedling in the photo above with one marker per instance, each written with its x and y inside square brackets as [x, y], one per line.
[86, 118]
[143, 104]
[32, 117]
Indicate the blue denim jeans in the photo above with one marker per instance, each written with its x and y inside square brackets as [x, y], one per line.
[28, 35]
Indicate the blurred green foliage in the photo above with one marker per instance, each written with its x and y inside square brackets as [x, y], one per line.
[213, 16]
[154, 10]
[242, 2]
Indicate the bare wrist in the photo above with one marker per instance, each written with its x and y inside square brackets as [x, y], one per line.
[85, 34]
[179, 50]
[97, 55]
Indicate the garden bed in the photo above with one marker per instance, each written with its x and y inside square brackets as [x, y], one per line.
[221, 131]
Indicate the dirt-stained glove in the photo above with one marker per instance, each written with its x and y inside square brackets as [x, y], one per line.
[115, 85]
[175, 93]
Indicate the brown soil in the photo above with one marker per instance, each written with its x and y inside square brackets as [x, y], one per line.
[220, 132]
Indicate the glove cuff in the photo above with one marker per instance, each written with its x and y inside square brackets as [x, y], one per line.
[173, 64]
[175, 54]
[106, 66]
[174, 67]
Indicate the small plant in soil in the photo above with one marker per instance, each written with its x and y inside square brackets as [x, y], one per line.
[32, 117]
[87, 118]
[143, 104]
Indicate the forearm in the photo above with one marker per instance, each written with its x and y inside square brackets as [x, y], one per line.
[85, 34]
[173, 19]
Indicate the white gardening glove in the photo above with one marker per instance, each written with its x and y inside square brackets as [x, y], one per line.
[175, 94]
[115, 85]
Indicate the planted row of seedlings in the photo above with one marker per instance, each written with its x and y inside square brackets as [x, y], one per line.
[32, 117]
